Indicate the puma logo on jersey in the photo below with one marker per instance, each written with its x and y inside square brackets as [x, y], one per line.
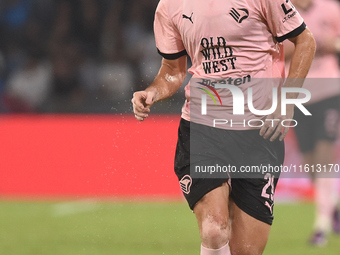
[185, 184]
[240, 15]
[189, 18]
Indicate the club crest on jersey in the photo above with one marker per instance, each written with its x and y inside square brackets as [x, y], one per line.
[239, 15]
[185, 184]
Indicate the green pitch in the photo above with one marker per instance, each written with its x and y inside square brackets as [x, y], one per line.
[90, 227]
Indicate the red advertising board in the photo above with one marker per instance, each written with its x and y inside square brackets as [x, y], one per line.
[87, 155]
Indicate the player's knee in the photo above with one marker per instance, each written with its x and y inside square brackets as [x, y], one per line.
[215, 232]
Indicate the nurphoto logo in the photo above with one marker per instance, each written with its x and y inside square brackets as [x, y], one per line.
[238, 101]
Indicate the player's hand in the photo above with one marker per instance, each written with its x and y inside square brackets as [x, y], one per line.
[141, 102]
[273, 126]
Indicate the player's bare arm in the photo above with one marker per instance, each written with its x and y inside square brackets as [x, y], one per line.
[301, 61]
[168, 80]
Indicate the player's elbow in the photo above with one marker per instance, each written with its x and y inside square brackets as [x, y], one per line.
[182, 75]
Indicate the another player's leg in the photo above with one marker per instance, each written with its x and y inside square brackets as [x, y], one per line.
[326, 196]
[318, 236]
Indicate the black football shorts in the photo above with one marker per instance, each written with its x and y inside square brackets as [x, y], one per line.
[236, 155]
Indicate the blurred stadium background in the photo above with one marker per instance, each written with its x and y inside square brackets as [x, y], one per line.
[78, 174]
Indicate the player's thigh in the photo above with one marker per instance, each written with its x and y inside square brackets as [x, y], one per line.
[248, 236]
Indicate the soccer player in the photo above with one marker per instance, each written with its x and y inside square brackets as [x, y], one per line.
[236, 43]
[317, 134]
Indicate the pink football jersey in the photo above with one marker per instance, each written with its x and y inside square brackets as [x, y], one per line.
[236, 42]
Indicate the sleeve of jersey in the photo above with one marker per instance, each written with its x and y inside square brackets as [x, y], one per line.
[168, 40]
[283, 19]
